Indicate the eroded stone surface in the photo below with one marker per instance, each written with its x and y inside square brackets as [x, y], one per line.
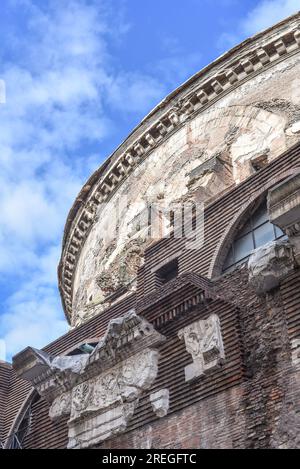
[103, 406]
[203, 340]
[160, 402]
[296, 352]
[269, 265]
[293, 129]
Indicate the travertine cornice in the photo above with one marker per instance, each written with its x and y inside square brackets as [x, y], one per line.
[215, 81]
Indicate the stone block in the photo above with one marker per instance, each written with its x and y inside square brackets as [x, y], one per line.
[160, 402]
[269, 265]
[203, 340]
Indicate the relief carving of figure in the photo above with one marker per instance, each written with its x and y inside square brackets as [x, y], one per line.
[212, 345]
[80, 398]
[61, 406]
[106, 389]
[203, 340]
[193, 345]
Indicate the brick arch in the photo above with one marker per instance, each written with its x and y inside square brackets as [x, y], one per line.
[242, 215]
[30, 398]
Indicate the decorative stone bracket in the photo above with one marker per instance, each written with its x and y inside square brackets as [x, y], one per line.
[284, 210]
[100, 391]
[203, 340]
[269, 265]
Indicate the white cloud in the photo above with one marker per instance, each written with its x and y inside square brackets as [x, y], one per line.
[2, 350]
[61, 88]
[133, 92]
[264, 15]
[33, 317]
[267, 13]
[33, 313]
[55, 90]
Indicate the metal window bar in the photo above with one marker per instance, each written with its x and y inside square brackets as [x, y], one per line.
[251, 231]
[16, 440]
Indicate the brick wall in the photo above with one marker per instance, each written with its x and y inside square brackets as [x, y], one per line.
[215, 422]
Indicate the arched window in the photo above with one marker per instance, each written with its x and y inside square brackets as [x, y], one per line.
[256, 232]
[22, 426]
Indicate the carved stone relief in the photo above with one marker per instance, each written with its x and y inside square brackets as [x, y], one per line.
[100, 391]
[203, 340]
[108, 402]
[61, 406]
[296, 352]
[269, 265]
[160, 402]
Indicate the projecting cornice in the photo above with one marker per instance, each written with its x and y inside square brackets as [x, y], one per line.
[221, 77]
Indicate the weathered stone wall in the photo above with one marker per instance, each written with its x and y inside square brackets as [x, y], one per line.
[217, 149]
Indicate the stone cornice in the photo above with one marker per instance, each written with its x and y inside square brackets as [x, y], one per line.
[99, 392]
[206, 87]
[124, 337]
[283, 202]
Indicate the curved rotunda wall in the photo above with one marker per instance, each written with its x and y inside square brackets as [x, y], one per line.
[212, 151]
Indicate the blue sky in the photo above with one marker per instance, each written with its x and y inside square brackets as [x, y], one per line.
[79, 75]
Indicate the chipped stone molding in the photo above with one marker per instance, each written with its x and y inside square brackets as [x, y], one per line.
[124, 337]
[284, 210]
[160, 402]
[210, 165]
[203, 340]
[100, 391]
[269, 265]
[49, 375]
[241, 64]
[102, 407]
